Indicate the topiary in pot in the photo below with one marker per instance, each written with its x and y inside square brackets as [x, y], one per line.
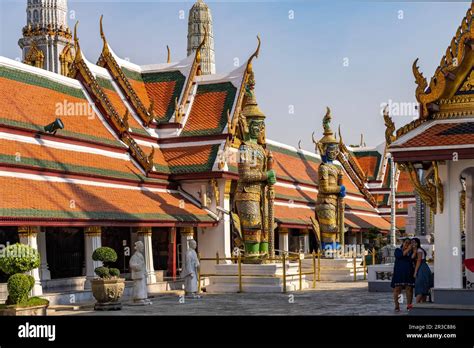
[106, 255]
[15, 260]
[108, 289]
[19, 258]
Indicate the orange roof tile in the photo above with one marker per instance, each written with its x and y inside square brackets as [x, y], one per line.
[31, 102]
[24, 199]
[190, 159]
[209, 109]
[443, 134]
[39, 156]
[369, 162]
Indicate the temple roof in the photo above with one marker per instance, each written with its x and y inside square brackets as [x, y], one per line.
[446, 104]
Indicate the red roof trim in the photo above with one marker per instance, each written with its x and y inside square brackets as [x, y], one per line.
[89, 222]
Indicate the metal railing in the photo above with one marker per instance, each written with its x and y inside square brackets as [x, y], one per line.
[284, 259]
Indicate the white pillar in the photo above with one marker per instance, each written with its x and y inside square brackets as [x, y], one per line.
[447, 254]
[393, 208]
[144, 235]
[28, 235]
[283, 239]
[92, 241]
[469, 243]
[43, 269]
[216, 239]
[187, 233]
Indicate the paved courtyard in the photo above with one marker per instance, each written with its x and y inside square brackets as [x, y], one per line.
[328, 299]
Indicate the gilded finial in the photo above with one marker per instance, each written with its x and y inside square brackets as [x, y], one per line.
[229, 122]
[168, 60]
[254, 55]
[105, 48]
[201, 45]
[389, 127]
[102, 29]
[77, 48]
[340, 135]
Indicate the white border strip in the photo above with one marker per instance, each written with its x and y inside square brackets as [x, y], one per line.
[63, 146]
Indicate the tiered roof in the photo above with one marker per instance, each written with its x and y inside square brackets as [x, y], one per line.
[446, 117]
[150, 128]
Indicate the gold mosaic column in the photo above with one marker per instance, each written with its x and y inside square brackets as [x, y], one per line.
[29, 235]
[92, 241]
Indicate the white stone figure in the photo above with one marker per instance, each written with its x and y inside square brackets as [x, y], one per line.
[138, 269]
[190, 271]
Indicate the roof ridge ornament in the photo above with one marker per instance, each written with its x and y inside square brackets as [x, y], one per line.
[168, 59]
[389, 127]
[254, 55]
[77, 48]
[105, 48]
[197, 57]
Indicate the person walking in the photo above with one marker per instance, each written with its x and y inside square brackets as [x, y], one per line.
[402, 277]
[422, 272]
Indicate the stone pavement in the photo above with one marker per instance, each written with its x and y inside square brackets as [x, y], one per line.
[329, 298]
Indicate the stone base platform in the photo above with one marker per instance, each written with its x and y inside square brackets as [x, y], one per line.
[341, 270]
[255, 278]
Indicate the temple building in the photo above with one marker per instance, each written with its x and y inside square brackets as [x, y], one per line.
[436, 151]
[108, 153]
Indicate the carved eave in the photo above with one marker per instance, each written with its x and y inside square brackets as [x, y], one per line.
[454, 67]
[80, 71]
[352, 168]
[107, 60]
[431, 192]
[248, 70]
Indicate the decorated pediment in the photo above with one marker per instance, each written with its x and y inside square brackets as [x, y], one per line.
[467, 86]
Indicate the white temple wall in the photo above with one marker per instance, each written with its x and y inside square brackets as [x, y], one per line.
[212, 240]
[448, 253]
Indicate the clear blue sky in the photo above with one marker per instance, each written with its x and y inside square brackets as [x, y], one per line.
[303, 61]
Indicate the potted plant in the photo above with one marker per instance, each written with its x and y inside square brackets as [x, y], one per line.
[15, 261]
[108, 287]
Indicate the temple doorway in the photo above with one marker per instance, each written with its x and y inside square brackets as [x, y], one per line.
[65, 251]
[160, 242]
[118, 238]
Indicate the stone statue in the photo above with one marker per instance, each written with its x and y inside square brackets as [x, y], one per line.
[138, 269]
[190, 271]
[329, 203]
[250, 199]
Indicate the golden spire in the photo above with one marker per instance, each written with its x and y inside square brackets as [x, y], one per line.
[168, 60]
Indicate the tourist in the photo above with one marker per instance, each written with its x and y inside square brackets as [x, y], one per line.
[402, 277]
[422, 272]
